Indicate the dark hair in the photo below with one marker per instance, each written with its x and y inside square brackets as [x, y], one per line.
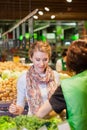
[64, 52]
[77, 56]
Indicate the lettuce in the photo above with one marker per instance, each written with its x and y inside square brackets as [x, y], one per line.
[6, 74]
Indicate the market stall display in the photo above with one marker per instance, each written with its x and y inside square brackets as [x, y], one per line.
[23, 122]
[65, 74]
[9, 73]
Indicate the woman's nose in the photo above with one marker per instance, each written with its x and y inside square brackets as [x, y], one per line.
[41, 62]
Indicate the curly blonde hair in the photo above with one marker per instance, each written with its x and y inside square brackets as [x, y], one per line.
[40, 46]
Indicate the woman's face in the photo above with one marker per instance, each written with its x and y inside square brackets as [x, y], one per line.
[40, 61]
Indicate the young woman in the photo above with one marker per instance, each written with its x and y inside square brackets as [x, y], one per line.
[38, 83]
[72, 94]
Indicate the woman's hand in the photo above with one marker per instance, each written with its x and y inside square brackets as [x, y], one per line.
[15, 109]
[44, 110]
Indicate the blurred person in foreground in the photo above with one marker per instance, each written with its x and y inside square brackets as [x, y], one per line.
[38, 83]
[72, 94]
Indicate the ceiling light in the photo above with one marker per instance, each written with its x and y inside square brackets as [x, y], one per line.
[40, 13]
[46, 8]
[52, 16]
[35, 17]
[69, 1]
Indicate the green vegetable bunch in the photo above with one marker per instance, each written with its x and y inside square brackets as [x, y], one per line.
[28, 122]
[6, 123]
[34, 123]
[53, 122]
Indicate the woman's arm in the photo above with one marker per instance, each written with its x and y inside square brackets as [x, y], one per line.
[57, 100]
[17, 107]
[56, 103]
[44, 110]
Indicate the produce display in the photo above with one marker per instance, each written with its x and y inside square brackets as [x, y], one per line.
[64, 76]
[13, 66]
[9, 73]
[8, 90]
[28, 122]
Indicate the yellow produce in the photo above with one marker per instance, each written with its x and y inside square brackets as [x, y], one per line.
[9, 73]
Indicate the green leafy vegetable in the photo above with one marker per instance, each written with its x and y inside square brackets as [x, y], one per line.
[6, 123]
[34, 123]
[28, 122]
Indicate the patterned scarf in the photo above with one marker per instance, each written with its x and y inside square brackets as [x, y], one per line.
[33, 91]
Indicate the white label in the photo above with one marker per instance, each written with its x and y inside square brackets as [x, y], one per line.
[64, 126]
[43, 128]
[24, 129]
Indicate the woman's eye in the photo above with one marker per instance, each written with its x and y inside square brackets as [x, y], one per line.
[45, 59]
[37, 59]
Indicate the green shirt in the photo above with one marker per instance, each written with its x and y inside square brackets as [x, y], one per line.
[75, 94]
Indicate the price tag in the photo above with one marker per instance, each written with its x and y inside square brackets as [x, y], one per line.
[64, 126]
